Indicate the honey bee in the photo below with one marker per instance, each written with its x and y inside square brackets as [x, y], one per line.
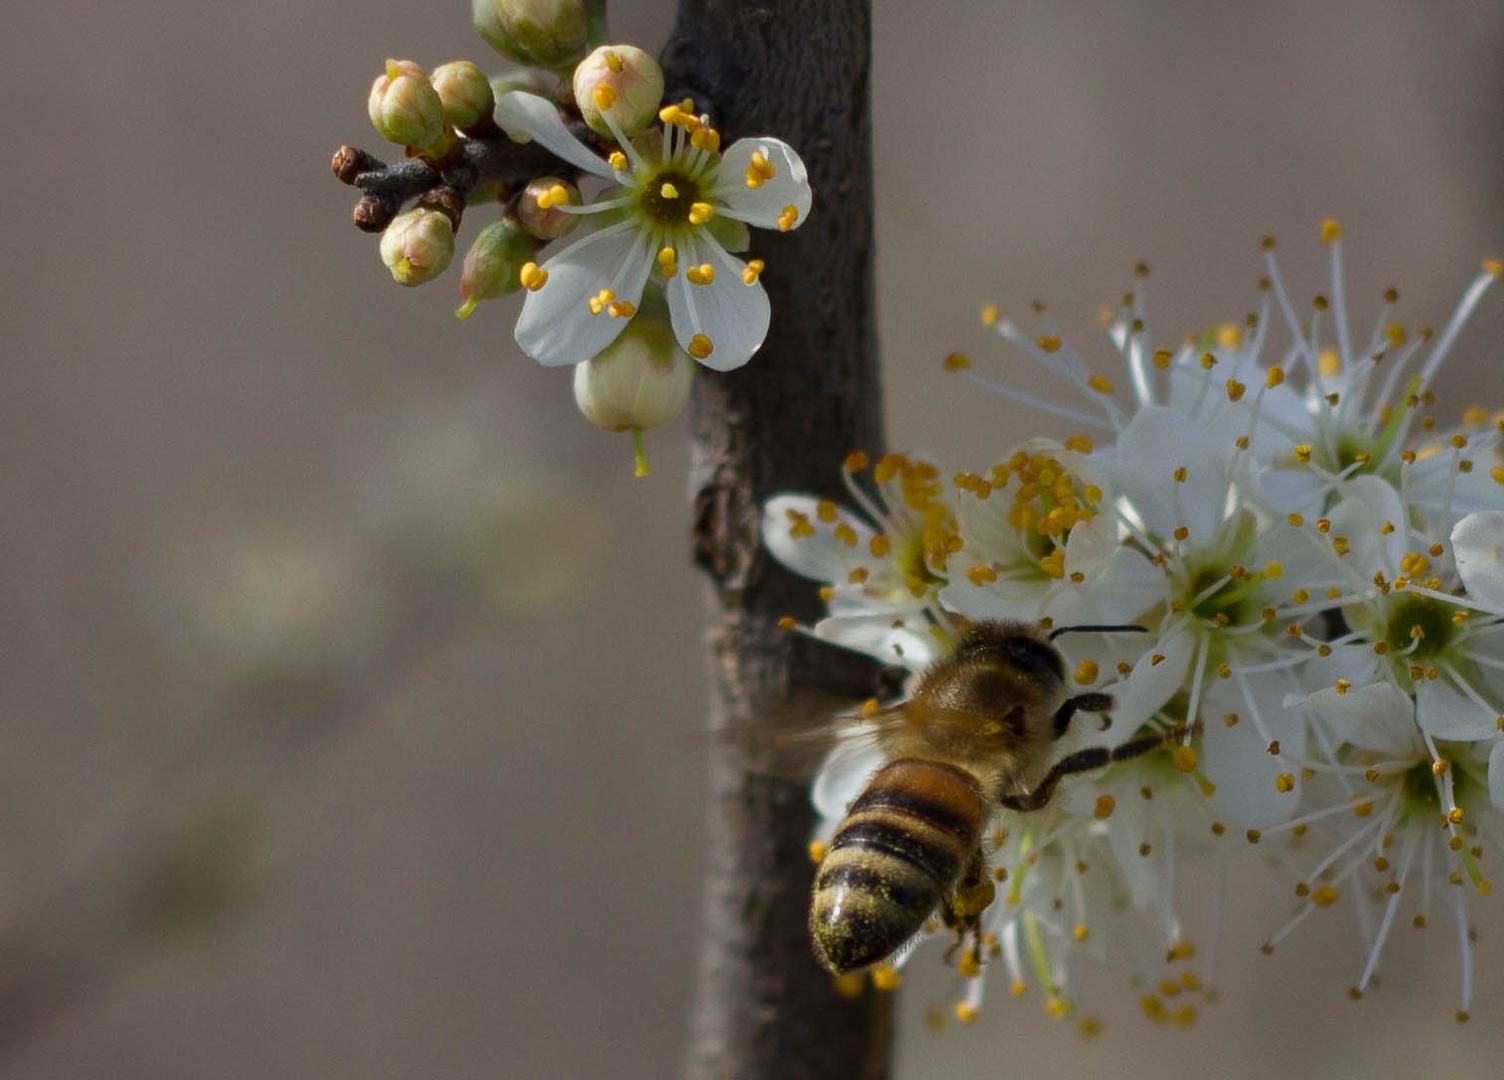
[980, 722]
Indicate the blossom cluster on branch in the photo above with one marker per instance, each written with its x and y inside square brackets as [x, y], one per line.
[657, 287]
[1318, 562]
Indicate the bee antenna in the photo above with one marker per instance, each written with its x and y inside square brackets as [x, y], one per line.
[1130, 628]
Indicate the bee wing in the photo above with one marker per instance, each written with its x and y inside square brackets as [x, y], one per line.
[800, 750]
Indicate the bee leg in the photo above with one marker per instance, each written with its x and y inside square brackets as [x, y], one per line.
[1094, 757]
[1097, 703]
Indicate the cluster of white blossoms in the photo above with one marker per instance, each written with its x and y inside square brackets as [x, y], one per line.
[1318, 564]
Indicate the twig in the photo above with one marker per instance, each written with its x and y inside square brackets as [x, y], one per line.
[798, 70]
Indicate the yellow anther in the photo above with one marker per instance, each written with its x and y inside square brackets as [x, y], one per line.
[1324, 895]
[622, 309]
[966, 1012]
[617, 160]
[668, 191]
[957, 361]
[825, 510]
[1086, 672]
[554, 196]
[1079, 444]
[845, 534]
[989, 314]
[700, 213]
[1284, 783]
[787, 622]
[706, 137]
[1184, 758]
[532, 276]
[613, 61]
[1275, 377]
[856, 461]
[1235, 390]
[1303, 452]
[981, 575]
[880, 545]
[603, 96]
[885, 977]
[704, 274]
[1162, 358]
[1208, 361]
[818, 849]
[1054, 563]
[788, 218]
[752, 271]
[1493, 267]
[1048, 343]
[850, 985]
[1343, 686]
[1105, 806]
[968, 967]
[1331, 230]
[700, 347]
[1100, 384]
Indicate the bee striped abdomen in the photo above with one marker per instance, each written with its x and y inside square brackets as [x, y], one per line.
[899, 850]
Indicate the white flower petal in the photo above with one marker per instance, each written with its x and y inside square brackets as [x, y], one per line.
[875, 635]
[762, 206]
[1005, 598]
[1156, 442]
[556, 326]
[732, 314]
[1118, 590]
[1447, 713]
[523, 114]
[1478, 543]
[820, 557]
[1367, 503]
[1378, 717]
[1496, 774]
[1237, 760]
[1152, 683]
[847, 767]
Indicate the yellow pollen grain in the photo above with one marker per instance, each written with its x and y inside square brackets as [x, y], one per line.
[855, 462]
[1303, 452]
[966, 1012]
[704, 274]
[1100, 384]
[700, 213]
[1048, 343]
[700, 347]
[957, 361]
[1208, 361]
[1324, 895]
[1104, 808]
[1184, 758]
[603, 96]
[787, 622]
[788, 218]
[1086, 672]
[1162, 358]
[1284, 783]
[989, 314]
[981, 575]
[885, 977]
[1235, 390]
[880, 545]
[1331, 231]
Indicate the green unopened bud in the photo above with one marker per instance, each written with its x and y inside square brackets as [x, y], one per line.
[493, 266]
[538, 207]
[623, 81]
[544, 33]
[465, 92]
[418, 245]
[404, 106]
[640, 381]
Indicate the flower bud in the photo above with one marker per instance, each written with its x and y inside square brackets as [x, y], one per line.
[494, 264]
[641, 380]
[404, 106]
[465, 92]
[537, 207]
[418, 245]
[621, 80]
[544, 33]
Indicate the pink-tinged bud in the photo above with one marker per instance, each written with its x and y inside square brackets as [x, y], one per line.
[623, 81]
[465, 93]
[538, 207]
[494, 264]
[543, 33]
[418, 245]
[404, 106]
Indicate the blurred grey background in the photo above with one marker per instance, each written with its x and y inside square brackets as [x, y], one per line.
[338, 652]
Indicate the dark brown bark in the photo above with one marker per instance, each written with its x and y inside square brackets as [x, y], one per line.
[798, 70]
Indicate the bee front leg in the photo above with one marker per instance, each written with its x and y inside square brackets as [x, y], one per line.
[1094, 703]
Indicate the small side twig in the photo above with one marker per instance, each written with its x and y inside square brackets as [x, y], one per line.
[447, 183]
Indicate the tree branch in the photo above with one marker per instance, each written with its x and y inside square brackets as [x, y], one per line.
[798, 70]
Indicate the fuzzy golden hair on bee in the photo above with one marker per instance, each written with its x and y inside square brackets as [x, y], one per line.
[972, 738]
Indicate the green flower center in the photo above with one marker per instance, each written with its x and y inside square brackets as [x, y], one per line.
[666, 198]
[1421, 621]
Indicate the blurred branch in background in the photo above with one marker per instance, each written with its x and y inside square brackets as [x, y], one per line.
[304, 625]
